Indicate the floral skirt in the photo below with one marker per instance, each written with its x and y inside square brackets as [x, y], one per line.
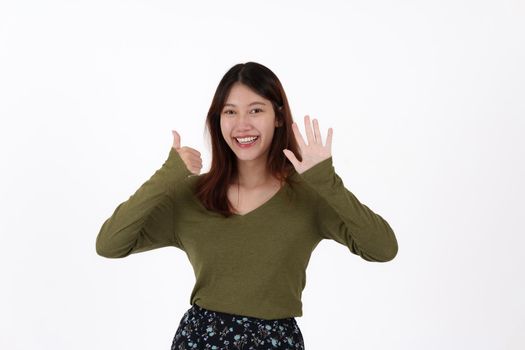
[201, 328]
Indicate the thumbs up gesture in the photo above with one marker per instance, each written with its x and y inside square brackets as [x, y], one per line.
[191, 157]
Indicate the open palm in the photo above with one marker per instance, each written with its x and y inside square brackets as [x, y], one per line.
[314, 152]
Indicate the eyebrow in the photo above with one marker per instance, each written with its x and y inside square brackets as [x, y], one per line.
[253, 103]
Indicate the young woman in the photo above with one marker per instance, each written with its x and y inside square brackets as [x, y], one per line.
[250, 224]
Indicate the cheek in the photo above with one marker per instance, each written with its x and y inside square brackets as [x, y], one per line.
[270, 131]
[225, 132]
[223, 128]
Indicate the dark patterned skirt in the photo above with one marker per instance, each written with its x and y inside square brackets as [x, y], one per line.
[201, 328]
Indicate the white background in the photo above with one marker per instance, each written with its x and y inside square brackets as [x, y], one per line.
[426, 99]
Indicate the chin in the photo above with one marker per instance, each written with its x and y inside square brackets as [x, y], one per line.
[247, 158]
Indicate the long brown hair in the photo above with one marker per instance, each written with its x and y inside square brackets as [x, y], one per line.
[211, 188]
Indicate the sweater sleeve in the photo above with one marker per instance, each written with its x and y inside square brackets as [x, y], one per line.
[145, 221]
[343, 218]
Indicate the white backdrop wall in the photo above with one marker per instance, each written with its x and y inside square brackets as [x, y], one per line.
[426, 100]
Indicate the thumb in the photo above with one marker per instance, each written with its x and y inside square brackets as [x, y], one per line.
[289, 154]
[176, 139]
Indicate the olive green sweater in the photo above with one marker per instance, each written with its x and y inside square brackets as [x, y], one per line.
[252, 264]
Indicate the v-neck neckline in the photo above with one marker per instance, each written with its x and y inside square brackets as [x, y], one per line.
[265, 204]
[251, 212]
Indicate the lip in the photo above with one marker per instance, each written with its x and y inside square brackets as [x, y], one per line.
[246, 136]
[249, 145]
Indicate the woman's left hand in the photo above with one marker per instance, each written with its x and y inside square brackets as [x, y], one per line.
[312, 153]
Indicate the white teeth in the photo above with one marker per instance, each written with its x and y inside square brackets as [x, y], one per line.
[246, 139]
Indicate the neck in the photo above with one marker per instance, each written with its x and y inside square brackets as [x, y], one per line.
[252, 173]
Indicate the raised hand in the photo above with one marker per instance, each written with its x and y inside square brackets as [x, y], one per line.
[190, 156]
[314, 152]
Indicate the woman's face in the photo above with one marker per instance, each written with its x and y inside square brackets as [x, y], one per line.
[246, 114]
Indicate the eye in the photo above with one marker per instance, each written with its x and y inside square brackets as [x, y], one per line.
[232, 112]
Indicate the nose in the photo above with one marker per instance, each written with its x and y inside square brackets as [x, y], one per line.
[243, 121]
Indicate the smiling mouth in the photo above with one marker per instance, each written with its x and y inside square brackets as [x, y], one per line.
[247, 142]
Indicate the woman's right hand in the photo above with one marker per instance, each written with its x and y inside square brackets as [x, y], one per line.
[190, 156]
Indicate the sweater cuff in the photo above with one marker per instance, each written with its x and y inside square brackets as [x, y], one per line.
[319, 172]
[175, 161]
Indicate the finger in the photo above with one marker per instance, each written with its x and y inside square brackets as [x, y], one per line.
[329, 139]
[194, 151]
[317, 132]
[196, 163]
[192, 157]
[191, 151]
[197, 169]
[176, 139]
[298, 136]
[308, 128]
